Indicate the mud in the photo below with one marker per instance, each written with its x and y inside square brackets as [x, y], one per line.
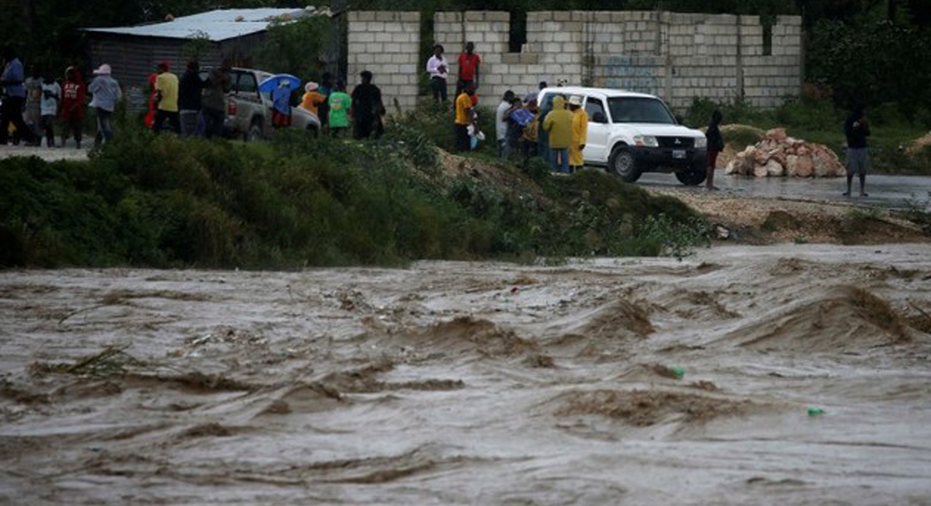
[611, 381]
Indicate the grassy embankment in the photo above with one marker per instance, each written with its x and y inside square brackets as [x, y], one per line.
[296, 201]
[819, 121]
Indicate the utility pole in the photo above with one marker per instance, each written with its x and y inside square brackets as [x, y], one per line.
[334, 51]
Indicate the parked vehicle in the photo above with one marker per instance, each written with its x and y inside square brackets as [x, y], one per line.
[249, 112]
[632, 133]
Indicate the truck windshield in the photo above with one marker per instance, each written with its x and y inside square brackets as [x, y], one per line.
[639, 110]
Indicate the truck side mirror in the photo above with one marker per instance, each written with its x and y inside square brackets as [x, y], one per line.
[679, 119]
[599, 117]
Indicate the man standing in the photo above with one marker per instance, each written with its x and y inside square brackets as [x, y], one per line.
[438, 69]
[857, 129]
[558, 125]
[72, 106]
[465, 116]
[715, 146]
[106, 94]
[214, 99]
[367, 108]
[12, 80]
[189, 99]
[501, 123]
[166, 89]
[469, 63]
[579, 133]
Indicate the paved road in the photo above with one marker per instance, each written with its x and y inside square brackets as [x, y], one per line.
[886, 191]
[48, 154]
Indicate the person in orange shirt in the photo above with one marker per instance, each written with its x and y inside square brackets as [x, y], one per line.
[312, 98]
[465, 116]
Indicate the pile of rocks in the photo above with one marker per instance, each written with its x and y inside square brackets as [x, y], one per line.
[779, 155]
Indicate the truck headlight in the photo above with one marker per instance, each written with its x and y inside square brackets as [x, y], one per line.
[647, 141]
[701, 142]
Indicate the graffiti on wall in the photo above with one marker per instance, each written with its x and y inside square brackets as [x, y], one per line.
[630, 74]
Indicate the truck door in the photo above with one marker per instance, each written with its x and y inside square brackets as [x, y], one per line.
[598, 128]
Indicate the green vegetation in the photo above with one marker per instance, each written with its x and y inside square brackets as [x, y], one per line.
[298, 201]
[819, 120]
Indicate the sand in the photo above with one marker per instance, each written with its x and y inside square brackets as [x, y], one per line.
[475, 383]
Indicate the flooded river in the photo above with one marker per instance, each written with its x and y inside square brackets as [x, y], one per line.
[782, 375]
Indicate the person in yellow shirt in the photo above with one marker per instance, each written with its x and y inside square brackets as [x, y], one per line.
[312, 98]
[465, 116]
[166, 95]
[558, 126]
[579, 133]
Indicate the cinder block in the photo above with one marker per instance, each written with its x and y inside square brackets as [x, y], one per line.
[375, 26]
[410, 17]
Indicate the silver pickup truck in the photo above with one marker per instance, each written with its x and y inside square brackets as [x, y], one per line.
[249, 113]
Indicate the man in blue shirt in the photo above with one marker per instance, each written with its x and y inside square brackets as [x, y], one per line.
[12, 111]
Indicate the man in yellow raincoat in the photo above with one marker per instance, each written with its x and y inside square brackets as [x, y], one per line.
[579, 133]
[558, 126]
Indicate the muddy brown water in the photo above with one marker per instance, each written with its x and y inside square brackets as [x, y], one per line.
[475, 383]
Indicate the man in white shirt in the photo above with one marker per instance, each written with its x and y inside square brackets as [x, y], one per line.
[501, 123]
[438, 69]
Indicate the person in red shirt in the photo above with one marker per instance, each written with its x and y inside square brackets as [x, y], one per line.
[73, 94]
[469, 63]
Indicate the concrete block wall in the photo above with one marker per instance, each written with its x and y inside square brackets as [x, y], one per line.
[676, 56]
[388, 45]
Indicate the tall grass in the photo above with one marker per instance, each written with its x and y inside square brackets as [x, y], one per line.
[298, 201]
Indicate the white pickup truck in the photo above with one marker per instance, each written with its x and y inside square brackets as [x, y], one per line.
[249, 113]
[632, 133]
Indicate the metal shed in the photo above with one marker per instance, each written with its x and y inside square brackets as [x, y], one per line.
[133, 51]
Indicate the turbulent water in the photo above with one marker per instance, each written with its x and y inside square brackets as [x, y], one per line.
[628, 381]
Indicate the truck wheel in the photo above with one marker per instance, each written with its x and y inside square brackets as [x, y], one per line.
[623, 164]
[692, 176]
[254, 133]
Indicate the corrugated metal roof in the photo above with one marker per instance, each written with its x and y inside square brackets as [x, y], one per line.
[216, 25]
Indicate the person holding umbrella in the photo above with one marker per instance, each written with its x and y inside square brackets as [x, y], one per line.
[279, 88]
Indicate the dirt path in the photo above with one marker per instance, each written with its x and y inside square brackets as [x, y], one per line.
[456, 383]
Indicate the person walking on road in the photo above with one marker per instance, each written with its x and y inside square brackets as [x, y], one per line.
[501, 123]
[214, 99]
[106, 94]
[715, 146]
[857, 129]
[12, 80]
[367, 108]
[558, 126]
[579, 133]
[74, 93]
[438, 69]
[166, 91]
[189, 99]
[469, 63]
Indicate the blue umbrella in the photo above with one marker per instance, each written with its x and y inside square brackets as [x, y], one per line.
[269, 84]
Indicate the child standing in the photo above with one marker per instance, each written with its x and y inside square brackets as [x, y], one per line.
[72, 106]
[51, 97]
[339, 103]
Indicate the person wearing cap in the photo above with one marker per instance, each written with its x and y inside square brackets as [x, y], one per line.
[166, 90]
[312, 99]
[12, 112]
[189, 99]
[73, 92]
[438, 69]
[367, 108]
[106, 94]
[558, 125]
[579, 133]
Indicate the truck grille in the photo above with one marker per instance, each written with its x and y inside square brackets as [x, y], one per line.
[676, 142]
